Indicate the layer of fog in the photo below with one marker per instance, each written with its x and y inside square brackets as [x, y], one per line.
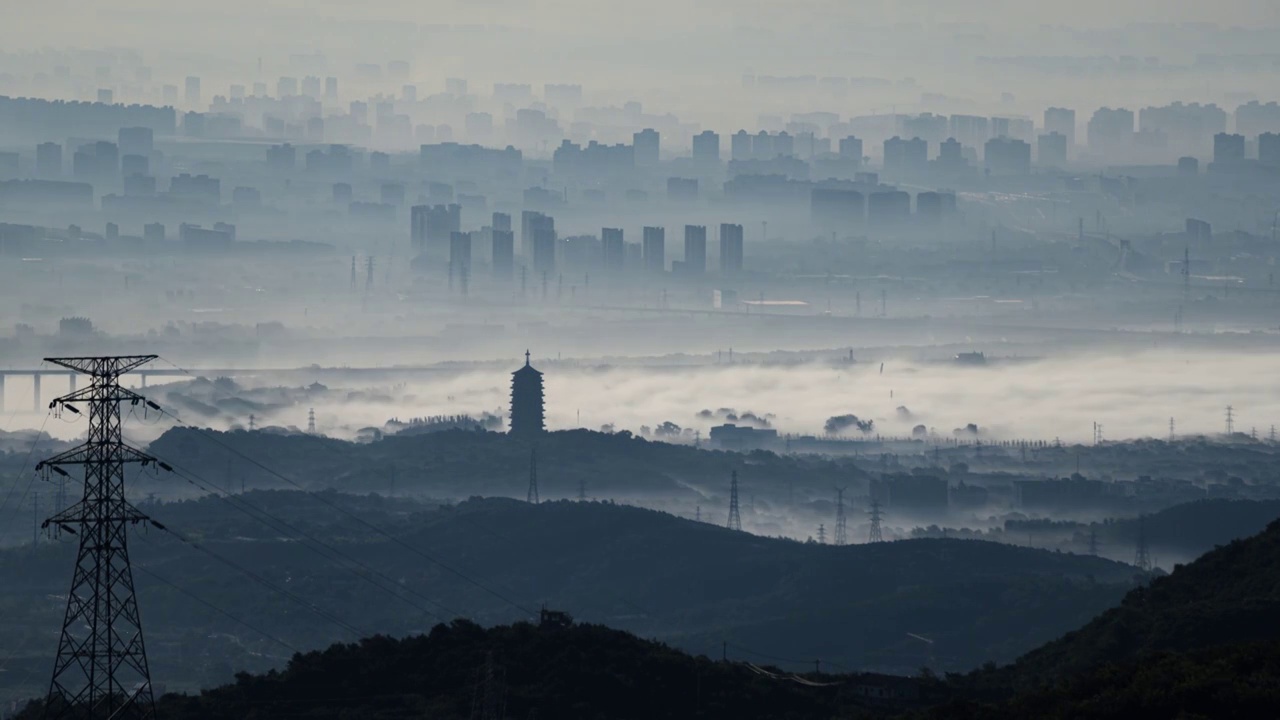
[1131, 395]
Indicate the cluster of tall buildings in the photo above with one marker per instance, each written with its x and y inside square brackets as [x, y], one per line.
[437, 239]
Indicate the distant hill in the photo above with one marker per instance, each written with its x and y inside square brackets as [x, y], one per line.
[1228, 597]
[694, 585]
[526, 671]
[463, 463]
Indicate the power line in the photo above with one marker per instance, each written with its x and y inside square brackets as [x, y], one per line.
[320, 498]
[320, 612]
[280, 525]
[143, 569]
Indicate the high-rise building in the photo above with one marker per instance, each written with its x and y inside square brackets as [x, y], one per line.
[836, 208]
[282, 157]
[528, 419]
[49, 160]
[136, 140]
[504, 253]
[286, 87]
[888, 208]
[730, 248]
[740, 146]
[331, 88]
[1228, 149]
[1110, 130]
[646, 144]
[311, 87]
[1269, 149]
[695, 249]
[851, 149]
[1061, 121]
[971, 130]
[192, 96]
[905, 156]
[542, 228]
[459, 254]
[654, 249]
[432, 226]
[1007, 156]
[1051, 150]
[706, 148]
[613, 249]
[933, 207]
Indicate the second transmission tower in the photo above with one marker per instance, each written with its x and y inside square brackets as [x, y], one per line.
[735, 518]
[1141, 557]
[842, 527]
[875, 534]
[532, 495]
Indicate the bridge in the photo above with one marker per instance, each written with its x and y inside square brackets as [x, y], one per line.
[312, 373]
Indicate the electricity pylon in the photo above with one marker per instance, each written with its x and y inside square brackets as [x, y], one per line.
[1141, 557]
[735, 519]
[532, 495]
[101, 670]
[874, 535]
[842, 534]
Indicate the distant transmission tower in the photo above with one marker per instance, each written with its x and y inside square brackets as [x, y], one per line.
[735, 519]
[368, 274]
[311, 421]
[1141, 558]
[252, 421]
[1272, 435]
[1186, 273]
[1093, 541]
[101, 670]
[842, 535]
[1231, 420]
[1172, 435]
[489, 700]
[353, 273]
[822, 534]
[875, 535]
[532, 495]
[582, 490]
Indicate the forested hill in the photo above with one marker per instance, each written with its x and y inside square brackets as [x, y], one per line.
[1228, 596]
[584, 671]
[694, 585]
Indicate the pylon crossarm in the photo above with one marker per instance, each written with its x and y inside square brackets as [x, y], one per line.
[80, 514]
[81, 454]
[96, 393]
[103, 365]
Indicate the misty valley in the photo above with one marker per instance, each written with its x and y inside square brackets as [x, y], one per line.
[593, 361]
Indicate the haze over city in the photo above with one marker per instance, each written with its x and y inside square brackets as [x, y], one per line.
[563, 360]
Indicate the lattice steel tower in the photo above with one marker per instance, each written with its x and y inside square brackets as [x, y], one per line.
[532, 495]
[735, 519]
[1141, 557]
[875, 535]
[101, 670]
[842, 527]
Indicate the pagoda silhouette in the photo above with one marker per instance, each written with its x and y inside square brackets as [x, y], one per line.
[527, 416]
